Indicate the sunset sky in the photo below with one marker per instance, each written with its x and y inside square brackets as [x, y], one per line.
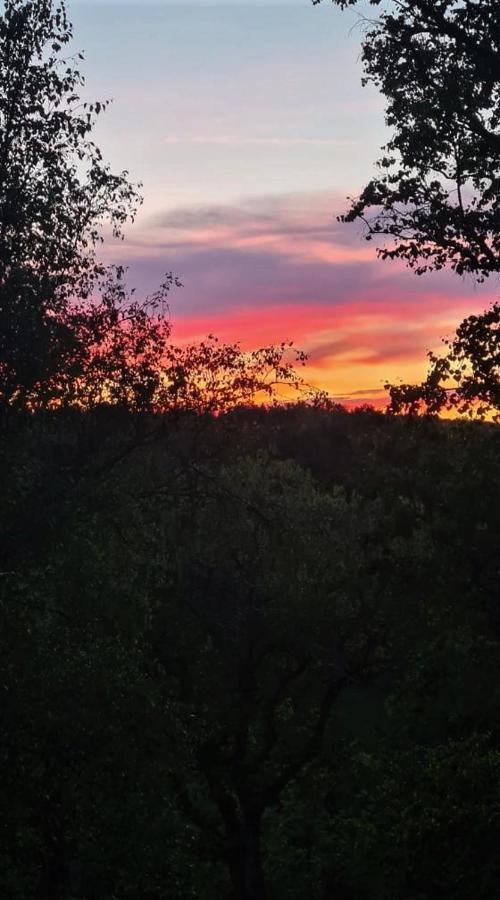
[248, 126]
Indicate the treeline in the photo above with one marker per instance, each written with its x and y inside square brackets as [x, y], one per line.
[247, 653]
[249, 656]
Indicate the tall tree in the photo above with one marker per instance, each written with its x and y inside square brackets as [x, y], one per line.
[267, 618]
[56, 192]
[436, 196]
[70, 331]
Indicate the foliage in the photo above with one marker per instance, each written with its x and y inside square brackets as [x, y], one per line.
[263, 640]
[70, 331]
[437, 65]
[244, 652]
[115, 350]
[55, 190]
[437, 192]
[55, 194]
[471, 363]
[272, 632]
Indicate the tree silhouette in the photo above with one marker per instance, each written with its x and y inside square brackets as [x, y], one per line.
[70, 330]
[437, 194]
[466, 378]
[55, 195]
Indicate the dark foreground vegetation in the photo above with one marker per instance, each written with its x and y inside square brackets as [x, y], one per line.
[245, 653]
[247, 656]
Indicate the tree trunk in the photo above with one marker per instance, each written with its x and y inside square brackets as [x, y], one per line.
[245, 861]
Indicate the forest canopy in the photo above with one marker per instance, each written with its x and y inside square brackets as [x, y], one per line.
[246, 652]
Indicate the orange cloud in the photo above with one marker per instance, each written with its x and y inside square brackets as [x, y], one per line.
[283, 268]
[353, 349]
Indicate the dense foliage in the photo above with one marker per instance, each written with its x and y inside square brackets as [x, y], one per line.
[435, 200]
[71, 332]
[465, 378]
[249, 656]
[437, 63]
[246, 653]
[55, 195]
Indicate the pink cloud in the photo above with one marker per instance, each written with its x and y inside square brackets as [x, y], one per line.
[354, 348]
[283, 268]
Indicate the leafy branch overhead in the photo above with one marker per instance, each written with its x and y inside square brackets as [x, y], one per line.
[436, 195]
[56, 192]
[70, 331]
[437, 192]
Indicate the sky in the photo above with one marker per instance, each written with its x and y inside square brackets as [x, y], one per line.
[247, 125]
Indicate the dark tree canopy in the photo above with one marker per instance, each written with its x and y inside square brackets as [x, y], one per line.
[55, 190]
[465, 378]
[436, 195]
[249, 656]
[437, 192]
[70, 330]
[56, 193]
[246, 655]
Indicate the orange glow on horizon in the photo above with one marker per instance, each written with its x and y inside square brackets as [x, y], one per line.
[353, 349]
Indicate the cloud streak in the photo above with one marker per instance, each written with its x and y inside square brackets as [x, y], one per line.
[283, 267]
